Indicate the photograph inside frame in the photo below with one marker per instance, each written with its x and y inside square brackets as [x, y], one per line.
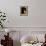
[24, 11]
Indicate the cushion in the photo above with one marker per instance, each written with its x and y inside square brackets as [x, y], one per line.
[26, 39]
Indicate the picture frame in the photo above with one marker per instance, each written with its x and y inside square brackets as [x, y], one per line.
[24, 11]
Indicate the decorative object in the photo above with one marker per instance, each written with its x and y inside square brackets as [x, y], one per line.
[8, 40]
[7, 30]
[24, 11]
[2, 19]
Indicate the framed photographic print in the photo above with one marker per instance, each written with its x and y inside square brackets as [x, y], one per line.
[24, 11]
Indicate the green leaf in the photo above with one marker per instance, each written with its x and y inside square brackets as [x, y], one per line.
[2, 26]
[0, 12]
[4, 16]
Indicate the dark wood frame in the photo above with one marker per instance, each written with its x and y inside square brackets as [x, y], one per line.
[24, 11]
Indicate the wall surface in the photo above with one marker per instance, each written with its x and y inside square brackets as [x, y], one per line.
[36, 13]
